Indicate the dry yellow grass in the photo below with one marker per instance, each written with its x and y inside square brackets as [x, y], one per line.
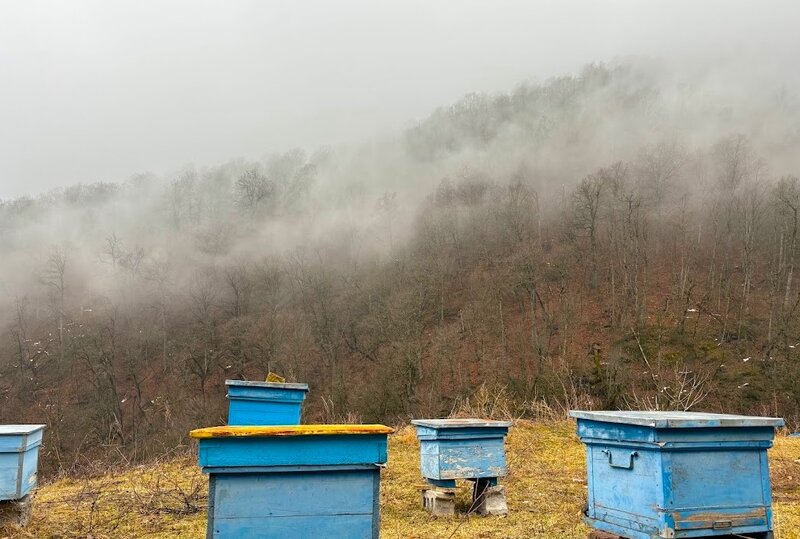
[545, 494]
[160, 500]
[545, 489]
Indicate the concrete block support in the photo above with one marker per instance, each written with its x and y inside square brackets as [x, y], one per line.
[440, 502]
[490, 499]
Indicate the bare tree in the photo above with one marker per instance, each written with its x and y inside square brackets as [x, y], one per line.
[252, 188]
[183, 201]
[658, 166]
[113, 250]
[203, 349]
[240, 286]
[586, 213]
[54, 278]
[785, 297]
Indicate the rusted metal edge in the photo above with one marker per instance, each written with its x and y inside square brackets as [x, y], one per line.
[287, 430]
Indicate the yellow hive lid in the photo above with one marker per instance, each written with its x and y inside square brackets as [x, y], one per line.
[287, 430]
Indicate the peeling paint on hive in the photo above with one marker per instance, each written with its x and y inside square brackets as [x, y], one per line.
[453, 449]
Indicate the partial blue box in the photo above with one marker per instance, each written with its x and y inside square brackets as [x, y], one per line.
[19, 459]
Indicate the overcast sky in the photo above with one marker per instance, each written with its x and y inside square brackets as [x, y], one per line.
[100, 90]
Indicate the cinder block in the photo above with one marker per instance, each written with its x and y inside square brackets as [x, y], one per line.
[492, 501]
[440, 502]
[16, 512]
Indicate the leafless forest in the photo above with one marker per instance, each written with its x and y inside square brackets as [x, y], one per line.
[626, 236]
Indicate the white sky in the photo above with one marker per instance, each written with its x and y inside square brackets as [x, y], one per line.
[101, 90]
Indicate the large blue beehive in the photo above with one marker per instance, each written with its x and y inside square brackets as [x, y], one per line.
[453, 449]
[264, 403]
[293, 481]
[672, 475]
[19, 459]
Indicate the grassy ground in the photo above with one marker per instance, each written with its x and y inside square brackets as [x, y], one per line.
[545, 490]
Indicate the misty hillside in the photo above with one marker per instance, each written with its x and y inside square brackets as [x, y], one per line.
[623, 237]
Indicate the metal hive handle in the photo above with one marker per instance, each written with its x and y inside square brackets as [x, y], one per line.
[628, 466]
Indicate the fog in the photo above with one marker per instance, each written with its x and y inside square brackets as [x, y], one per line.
[98, 91]
[425, 196]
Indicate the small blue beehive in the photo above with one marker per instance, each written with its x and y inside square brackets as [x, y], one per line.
[471, 449]
[19, 459]
[677, 474]
[264, 403]
[293, 481]
[453, 449]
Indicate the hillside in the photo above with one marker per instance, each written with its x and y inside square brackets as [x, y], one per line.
[620, 238]
[545, 494]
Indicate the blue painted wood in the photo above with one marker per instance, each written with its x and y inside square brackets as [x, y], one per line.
[461, 448]
[299, 504]
[19, 459]
[677, 475]
[293, 451]
[295, 486]
[264, 403]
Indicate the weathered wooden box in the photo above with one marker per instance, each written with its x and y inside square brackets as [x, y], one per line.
[264, 403]
[293, 481]
[453, 449]
[19, 459]
[676, 475]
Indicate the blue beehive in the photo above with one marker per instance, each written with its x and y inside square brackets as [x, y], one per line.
[472, 449]
[677, 474]
[293, 481]
[19, 459]
[453, 449]
[264, 403]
